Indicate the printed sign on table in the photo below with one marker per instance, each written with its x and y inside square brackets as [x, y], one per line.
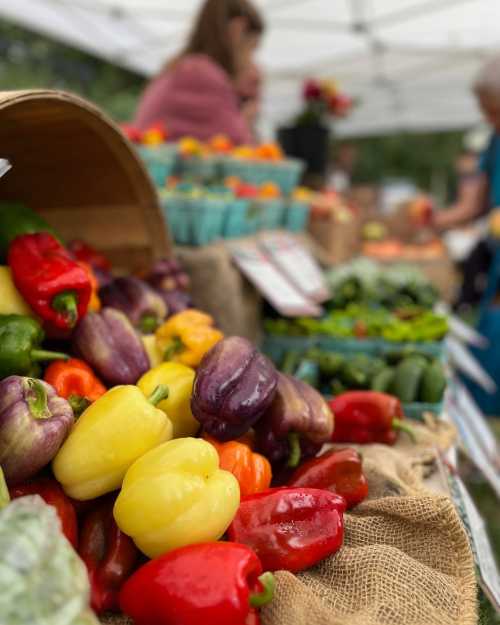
[294, 260]
[271, 282]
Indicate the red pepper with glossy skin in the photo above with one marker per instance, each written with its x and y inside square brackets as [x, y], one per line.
[202, 584]
[55, 286]
[109, 554]
[290, 529]
[339, 471]
[52, 493]
[364, 417]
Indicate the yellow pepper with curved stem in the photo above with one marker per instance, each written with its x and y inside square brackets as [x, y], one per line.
[177, 406]
[117, 429]
[176, 495]
[187, 336]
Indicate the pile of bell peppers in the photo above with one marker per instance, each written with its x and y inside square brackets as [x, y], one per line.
[157, 438]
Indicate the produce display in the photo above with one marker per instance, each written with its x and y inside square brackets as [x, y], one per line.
[152, 436]
[363, 280]
[410, 375]
[364, 321]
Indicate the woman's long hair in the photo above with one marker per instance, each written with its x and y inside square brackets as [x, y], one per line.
[209, 35]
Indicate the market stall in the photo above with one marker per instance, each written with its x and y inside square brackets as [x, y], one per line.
[197, 476]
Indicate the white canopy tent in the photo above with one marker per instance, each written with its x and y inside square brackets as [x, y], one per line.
[408, 62]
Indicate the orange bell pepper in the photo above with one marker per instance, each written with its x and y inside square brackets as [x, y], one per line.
[252, 470]
[74, 380]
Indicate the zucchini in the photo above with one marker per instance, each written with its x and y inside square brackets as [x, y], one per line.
[383, 380]
[407, 378]
[433, 383]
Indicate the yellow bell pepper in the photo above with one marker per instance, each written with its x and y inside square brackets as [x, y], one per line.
[177, 405]
[176, 495]
[150, 345]
[119, 427]
[11, 301]
[187, 336]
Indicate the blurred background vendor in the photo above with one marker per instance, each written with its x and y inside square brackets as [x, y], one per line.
[480, 193]
[212, 87]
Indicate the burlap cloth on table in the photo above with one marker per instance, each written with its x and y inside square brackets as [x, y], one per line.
[406, 558]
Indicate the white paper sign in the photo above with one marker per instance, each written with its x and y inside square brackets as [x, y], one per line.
[472, 445]
[480, 544]
[273, 285]
[292, 258]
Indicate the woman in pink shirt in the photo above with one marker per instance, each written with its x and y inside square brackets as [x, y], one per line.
[212, 86]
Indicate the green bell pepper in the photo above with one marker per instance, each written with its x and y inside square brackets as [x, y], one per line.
[17, 219]
[20, 338]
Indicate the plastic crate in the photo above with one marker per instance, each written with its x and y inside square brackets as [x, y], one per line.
[161, 162]
[416, 410]
[296, 216]
[200, 169]
[286, 174]
[272, 214]
[194, 220]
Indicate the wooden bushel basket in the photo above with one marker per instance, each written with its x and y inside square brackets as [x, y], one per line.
[72, 164]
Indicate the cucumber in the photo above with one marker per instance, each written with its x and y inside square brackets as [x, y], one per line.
[407, 378]
[383, 380]
[433, 383]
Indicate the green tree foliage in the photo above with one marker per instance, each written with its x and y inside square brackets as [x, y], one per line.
[29, 60]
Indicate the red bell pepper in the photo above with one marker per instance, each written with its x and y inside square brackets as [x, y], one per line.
[290, 528]
[86, 253]
[368, 417]
[109, 554]
[51, 282]
[340, 471]
[202, 584]
[50, 491]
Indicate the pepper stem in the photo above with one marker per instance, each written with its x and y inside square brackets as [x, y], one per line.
[4, 491]
[36, 399]
[161, 392]
[66, 303]
[148, 324]
[42, 355]
[397, 424]
[174, 348]
[295, 451]
[258, 599]
[78, 404]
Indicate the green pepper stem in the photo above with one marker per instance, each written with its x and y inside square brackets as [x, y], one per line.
[4, 491]
[78, 404]
[174, 348]
[66, 303]
[161, 392]
[148, 324]
[295, 451]
[36, 399]
[38, 355]
[397, 424]
[258, 599]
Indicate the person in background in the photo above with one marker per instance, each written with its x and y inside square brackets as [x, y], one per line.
[482, 192]
[478, 193]
[212, 86]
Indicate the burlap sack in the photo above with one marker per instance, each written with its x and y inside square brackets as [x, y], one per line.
[406, 559]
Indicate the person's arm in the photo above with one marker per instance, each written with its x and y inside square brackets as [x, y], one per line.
[471, 204]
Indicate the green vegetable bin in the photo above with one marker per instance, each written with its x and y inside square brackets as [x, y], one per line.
[296, 216]
[161, 162]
